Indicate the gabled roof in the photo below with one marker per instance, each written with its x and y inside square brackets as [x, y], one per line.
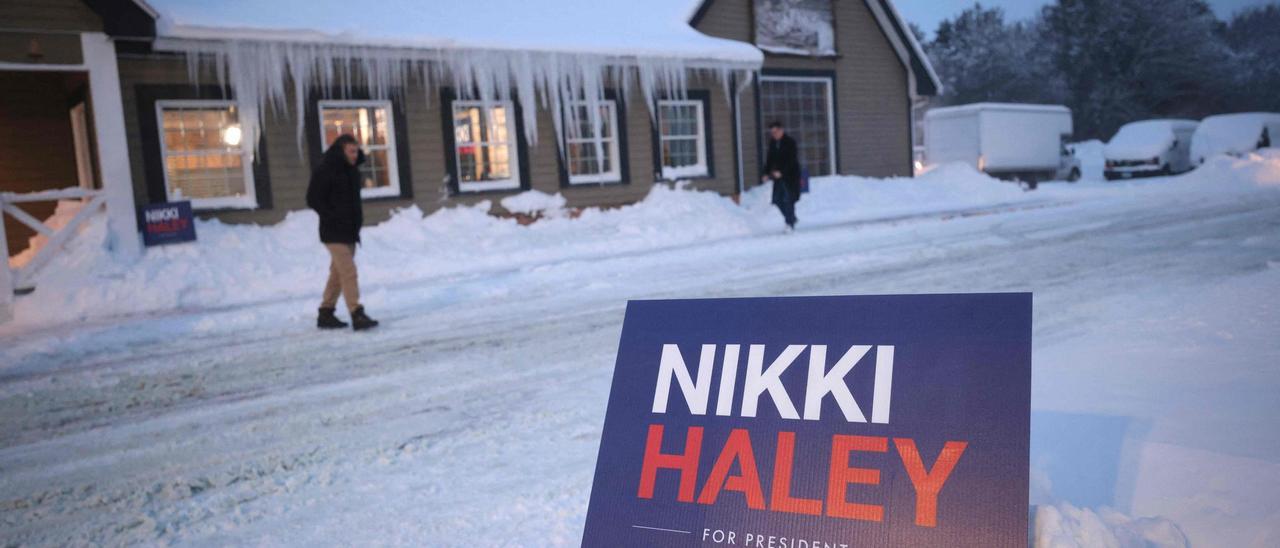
[625, 28]
[927, 81]
[125, 18]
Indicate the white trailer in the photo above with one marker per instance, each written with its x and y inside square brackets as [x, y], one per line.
[1011, 141]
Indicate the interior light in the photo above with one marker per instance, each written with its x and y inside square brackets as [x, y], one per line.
[231, 136]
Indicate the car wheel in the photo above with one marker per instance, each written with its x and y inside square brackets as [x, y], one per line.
[1075, 175]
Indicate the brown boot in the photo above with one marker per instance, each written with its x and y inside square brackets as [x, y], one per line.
[361, 321]
[327, 320]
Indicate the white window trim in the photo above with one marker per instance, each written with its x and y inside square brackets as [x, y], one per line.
[250, 198]
[614, 175]
[500, 184]
[393, 166]
[831, 108]
[699, 169]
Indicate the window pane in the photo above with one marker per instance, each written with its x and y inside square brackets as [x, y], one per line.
[206, 176]
[497, 125]
[679, 152]
[376, 170]
[484, 162]
[484, 143]
[204, 157]
[465, 119]
[367, 124]
[679, 120]
[584, 161]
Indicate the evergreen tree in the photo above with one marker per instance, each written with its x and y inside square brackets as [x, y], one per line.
[1254, 38]
[1125, 60]
[981, 58]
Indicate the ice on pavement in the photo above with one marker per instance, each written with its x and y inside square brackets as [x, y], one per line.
[214, 413]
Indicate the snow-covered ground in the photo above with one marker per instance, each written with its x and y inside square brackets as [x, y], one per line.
[189, 399]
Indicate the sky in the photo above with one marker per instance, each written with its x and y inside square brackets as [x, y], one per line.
[928, 13]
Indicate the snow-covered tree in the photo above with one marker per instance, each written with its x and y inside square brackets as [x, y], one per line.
[980, 57]
[1124, 60]
[1254, 38]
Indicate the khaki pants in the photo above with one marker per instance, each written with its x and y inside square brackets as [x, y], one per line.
[342, 277]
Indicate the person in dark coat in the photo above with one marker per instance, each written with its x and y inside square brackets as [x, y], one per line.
[334, 193]
[782, 166]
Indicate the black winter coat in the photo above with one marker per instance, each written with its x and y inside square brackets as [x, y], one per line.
[334, 193]
[784, 158]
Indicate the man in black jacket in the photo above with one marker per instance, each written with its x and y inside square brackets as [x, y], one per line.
[782, 166]
[334, 193]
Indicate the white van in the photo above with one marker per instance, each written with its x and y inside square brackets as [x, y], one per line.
[1010, 141]
[1149, 147]
[1235, 134]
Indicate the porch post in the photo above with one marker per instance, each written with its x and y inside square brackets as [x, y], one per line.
[6, 277]
[113, 146]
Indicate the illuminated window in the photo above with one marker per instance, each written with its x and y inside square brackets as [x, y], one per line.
[485, 146]
[593, 155]
[205, 157]
[682, 136]
[370, 122]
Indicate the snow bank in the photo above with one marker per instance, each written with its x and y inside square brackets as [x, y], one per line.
[1092, 163]
[238, 264]
[1065, 526]
[234, 265]
[1251, 171]
[533, 201]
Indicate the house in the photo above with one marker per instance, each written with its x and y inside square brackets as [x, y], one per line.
[228, 104]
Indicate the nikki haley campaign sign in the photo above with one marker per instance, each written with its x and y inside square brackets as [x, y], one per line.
[818, 422]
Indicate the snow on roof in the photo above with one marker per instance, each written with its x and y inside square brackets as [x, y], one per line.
[628, 28]
[1144, 139]
[1005, 107]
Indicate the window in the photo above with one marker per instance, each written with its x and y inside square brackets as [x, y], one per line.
[371, 123]
[804, 105]
[795, 27]
[682, 136]
[485, 146]
[593, 156]
[204, 157]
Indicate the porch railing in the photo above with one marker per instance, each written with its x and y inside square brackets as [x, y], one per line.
[22, 278]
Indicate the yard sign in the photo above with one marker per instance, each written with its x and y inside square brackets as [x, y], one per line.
[167, 223]
[818, 422]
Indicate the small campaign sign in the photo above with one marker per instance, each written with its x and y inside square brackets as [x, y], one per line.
[818, 422]
[167, 223]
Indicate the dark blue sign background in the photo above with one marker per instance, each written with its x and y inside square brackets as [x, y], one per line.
[962, 372]
[167, 223]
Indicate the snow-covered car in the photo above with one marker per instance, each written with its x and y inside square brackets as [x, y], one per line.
[1149, 147]
[1234, 134]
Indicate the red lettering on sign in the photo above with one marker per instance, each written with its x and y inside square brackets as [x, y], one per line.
[686, 463]
[841, 475]
[928, 483]
[737, 447]
[780, 496]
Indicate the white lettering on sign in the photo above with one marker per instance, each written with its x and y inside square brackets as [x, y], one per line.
[760, 380]
[161, 215]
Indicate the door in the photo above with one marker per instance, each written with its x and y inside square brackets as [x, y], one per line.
[84, 154]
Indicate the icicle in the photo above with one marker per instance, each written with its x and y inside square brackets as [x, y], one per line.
[264, 75]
